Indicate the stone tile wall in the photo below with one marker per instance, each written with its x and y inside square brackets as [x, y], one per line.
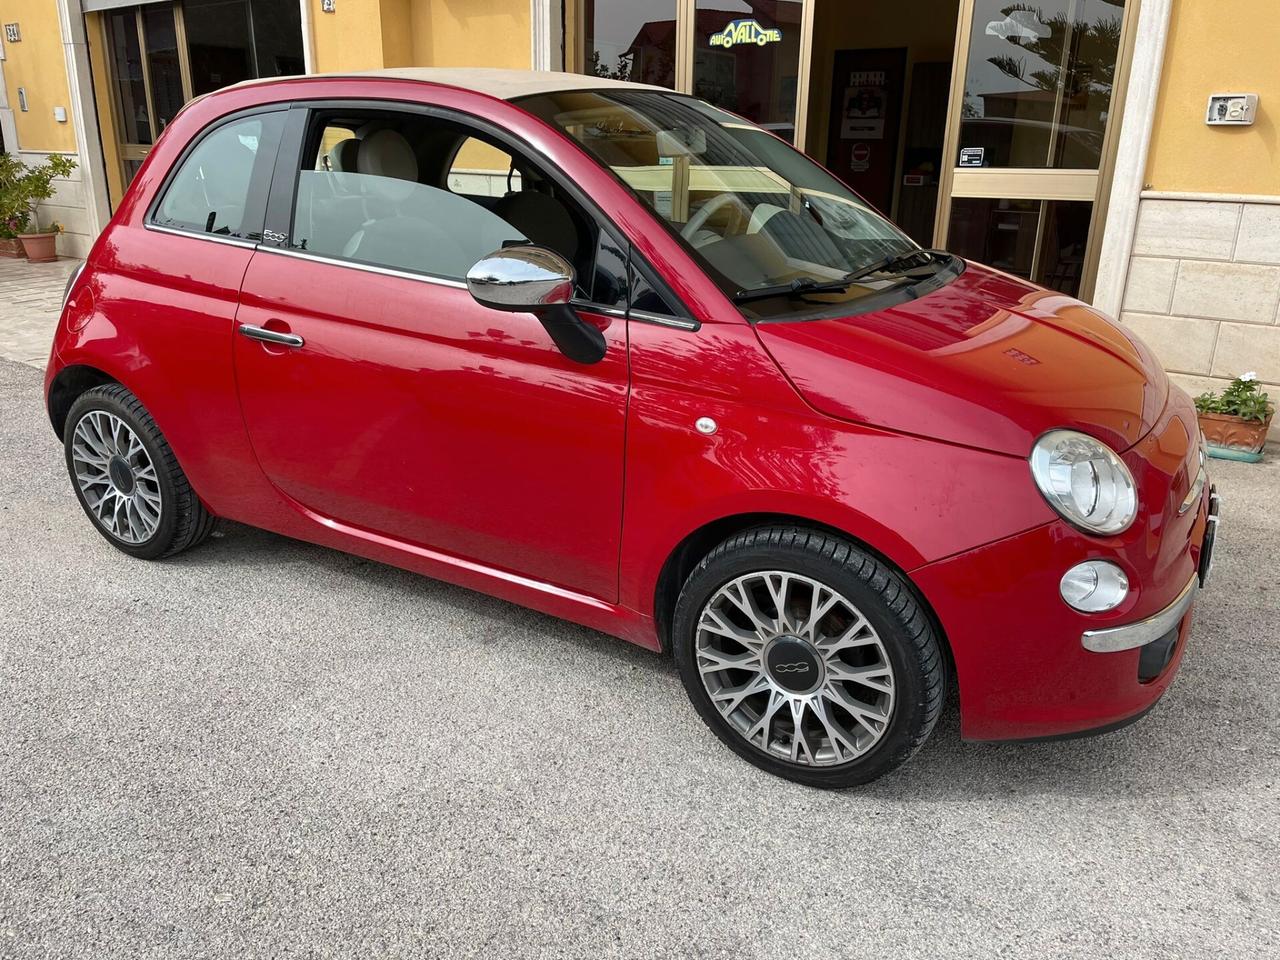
[1204, 290]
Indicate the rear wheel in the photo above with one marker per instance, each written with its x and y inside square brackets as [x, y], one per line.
[808, 656]
[127, 479]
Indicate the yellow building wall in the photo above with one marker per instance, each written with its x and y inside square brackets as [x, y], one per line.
[478, 33]
[37, 64]
[351, 38]
[369, 34]
[1227, 46]
[397, 37]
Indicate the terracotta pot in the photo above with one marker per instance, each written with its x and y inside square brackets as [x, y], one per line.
[11, 247]
[40, 247]
[1234, 438]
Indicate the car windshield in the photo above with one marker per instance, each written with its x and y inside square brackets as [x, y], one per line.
[779, 234]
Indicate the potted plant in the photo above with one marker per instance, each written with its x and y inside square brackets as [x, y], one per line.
[13, 210]
[1235, 422]
[41, 246]
[22, 189]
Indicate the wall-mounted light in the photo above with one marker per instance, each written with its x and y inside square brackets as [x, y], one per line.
[22, 99]
[60, 114]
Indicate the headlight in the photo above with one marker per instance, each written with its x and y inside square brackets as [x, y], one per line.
[1084, 481]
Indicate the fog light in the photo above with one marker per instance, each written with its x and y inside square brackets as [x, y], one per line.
[1094, 586]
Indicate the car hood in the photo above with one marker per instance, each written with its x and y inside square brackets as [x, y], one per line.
[988, 361]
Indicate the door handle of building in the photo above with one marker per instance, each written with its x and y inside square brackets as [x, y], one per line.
[271, 336]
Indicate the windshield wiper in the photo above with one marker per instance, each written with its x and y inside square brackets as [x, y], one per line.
[893, 266]
[796, 288]
[890, 266]
[895, 262]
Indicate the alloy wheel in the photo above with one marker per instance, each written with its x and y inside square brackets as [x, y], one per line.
[795, 668]
[116, 477]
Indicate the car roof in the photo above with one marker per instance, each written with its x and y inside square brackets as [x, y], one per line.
[503, 84]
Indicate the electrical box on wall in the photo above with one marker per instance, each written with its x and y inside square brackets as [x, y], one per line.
[1232, 109]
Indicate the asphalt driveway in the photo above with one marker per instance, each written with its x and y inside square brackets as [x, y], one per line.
[264, 748]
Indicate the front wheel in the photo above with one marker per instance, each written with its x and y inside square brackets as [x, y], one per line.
[127, 478]
[808, 656]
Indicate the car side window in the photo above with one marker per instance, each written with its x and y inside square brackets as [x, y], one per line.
[433, 195]
[220, 186]
[361, 197]
[427, 195]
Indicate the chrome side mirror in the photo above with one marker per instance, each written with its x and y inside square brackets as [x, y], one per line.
[522, 279]
[529, 279]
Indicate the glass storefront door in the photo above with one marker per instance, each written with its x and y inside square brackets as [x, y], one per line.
[1031, 108]
[160, 55]
[149, 86]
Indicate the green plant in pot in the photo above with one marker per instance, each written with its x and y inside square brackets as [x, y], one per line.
[22, 189]
[14, 213]
[1235, 422]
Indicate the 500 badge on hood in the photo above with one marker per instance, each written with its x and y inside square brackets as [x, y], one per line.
[745, 31]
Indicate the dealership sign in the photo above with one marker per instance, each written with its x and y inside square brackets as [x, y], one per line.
[745, 31]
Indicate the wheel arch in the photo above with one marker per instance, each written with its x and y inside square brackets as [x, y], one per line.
[688, 553]
[67, 386]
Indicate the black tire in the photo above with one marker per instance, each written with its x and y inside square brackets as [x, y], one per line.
[879, 593]
[184, 521]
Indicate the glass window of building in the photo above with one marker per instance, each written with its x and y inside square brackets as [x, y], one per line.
[163, 64]
[747, 59]
[1044, 241]
[630, 40]
[130, 83]
[1038, 88]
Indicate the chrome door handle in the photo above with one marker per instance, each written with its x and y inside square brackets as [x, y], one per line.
[271, 336]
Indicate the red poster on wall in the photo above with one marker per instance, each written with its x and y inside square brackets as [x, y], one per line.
[866, 116]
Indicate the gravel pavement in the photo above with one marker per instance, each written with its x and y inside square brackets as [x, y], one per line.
[268, 749]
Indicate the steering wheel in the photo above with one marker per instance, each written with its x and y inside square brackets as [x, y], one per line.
[699, 219]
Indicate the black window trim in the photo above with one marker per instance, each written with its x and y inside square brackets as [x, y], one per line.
[289, 158]
[256, 200]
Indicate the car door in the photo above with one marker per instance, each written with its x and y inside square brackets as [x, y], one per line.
[385, 398]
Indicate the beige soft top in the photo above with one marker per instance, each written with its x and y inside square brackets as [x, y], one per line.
[505, 84]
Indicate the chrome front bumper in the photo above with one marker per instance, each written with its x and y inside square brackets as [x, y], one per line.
[1139, 634]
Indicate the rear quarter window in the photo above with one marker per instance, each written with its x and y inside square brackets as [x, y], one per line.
[220, 186]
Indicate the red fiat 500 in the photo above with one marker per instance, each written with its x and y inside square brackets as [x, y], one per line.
[659, 374]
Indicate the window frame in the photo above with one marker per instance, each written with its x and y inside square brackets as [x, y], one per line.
[258, 197]
[290, 157]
